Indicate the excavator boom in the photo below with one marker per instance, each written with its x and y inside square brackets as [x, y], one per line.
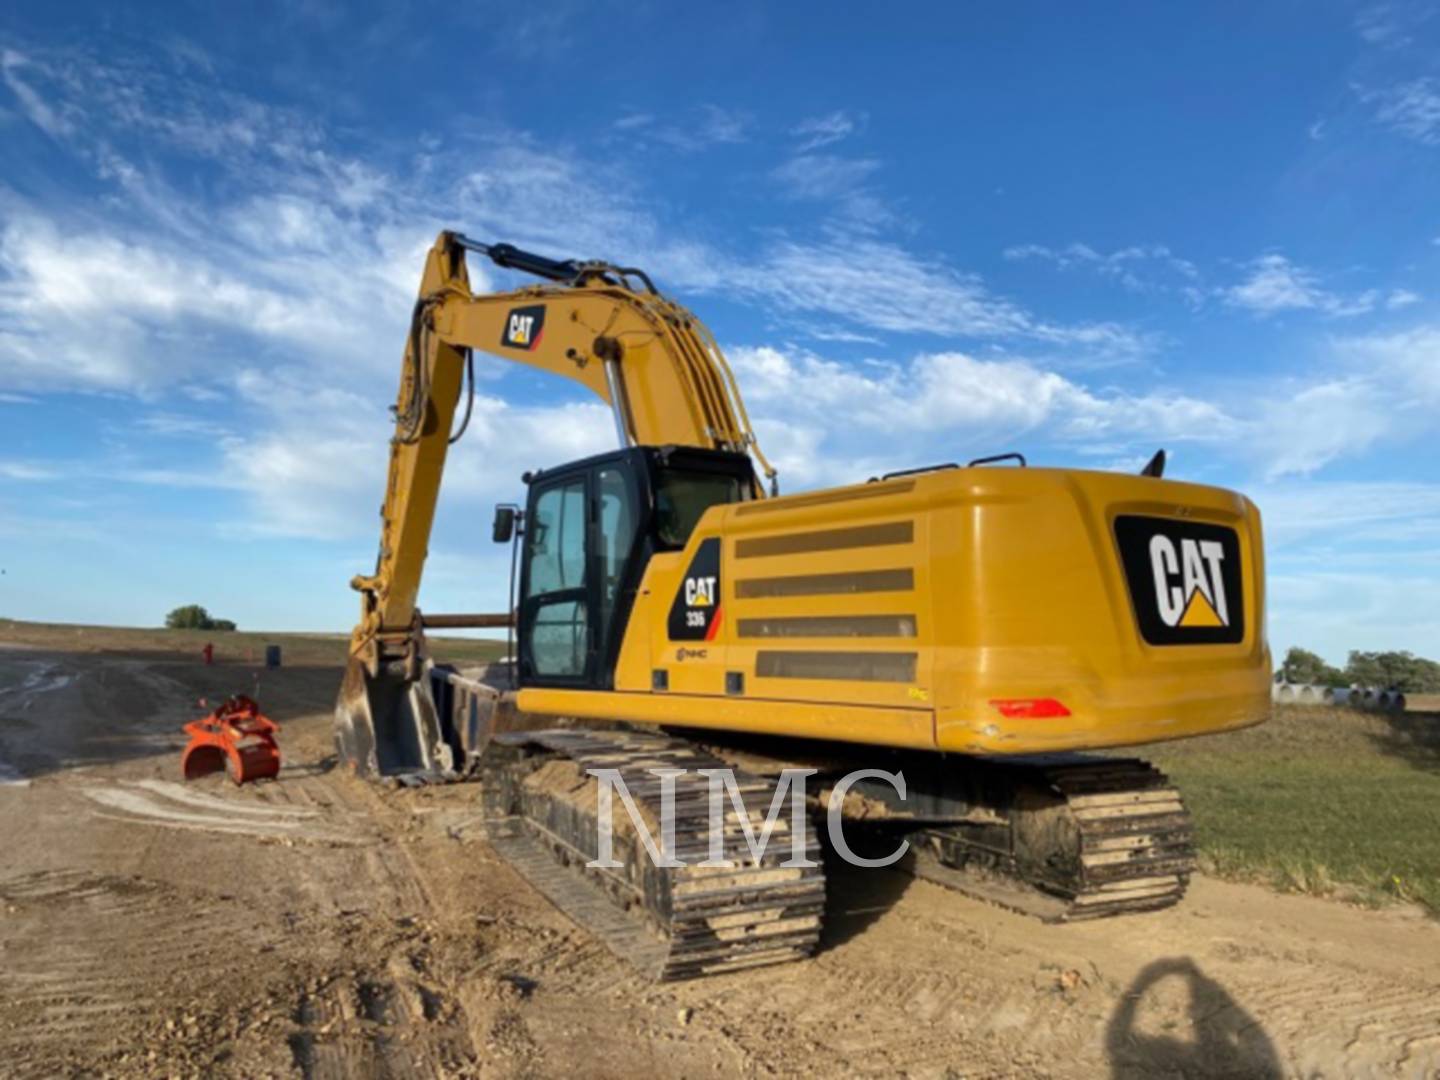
[603, 326]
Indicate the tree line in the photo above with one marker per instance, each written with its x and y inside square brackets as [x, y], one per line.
[195, 617]
[1403, 671]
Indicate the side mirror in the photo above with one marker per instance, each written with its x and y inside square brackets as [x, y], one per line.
[503, 530]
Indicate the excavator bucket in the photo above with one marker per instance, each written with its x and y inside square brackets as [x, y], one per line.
[386, 726]
[236, 737]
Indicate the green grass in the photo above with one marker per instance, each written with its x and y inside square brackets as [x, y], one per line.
[230, 646]
[1323, 801]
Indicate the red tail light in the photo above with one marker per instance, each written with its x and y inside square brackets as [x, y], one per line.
[1029, 708]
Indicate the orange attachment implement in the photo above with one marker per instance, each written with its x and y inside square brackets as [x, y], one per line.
[236, 737]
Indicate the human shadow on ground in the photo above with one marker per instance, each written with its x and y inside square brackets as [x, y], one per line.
[1225, 1041]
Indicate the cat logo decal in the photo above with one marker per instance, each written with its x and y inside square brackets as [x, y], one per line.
[1184, 578]
[695, 614]
[524, 327]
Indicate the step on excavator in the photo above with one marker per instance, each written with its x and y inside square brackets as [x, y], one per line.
[981, 630]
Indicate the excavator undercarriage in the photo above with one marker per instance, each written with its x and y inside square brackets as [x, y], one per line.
[1060, 837]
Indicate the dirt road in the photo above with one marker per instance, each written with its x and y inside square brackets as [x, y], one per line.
[316, 926]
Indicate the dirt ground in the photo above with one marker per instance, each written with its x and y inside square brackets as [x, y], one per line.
[316, 926]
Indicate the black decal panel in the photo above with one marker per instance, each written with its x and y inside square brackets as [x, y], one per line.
[524, 327]
[695, 613]
[1184, 578]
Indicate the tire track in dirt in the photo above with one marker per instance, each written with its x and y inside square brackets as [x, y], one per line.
[1366, 1028]
[84, 951]
[873, 1020]
[177, 809]
[373, 1025]
[224, 809]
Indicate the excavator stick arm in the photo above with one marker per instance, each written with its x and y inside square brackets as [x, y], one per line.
[603, 326]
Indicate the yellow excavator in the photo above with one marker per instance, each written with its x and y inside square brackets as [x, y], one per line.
[977, 629]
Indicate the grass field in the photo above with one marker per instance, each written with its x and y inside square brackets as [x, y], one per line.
[1325, 801]
[231, 646]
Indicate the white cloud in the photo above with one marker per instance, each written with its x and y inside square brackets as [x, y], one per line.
[1352, 564]
[1382, 25]
[1403, 365]
[937, 404]
[24, 470]
[719, 125]
[95, 309]
[40, 112]
[824, 176]
[304, 284]
[319, 469]
[179, 426]
[1372, 391]
[557, 204]
[1134, 267]
[1276, 284]
[1308, 429]
[564, 206]
[839, 181]
[1388, 391]
[702, 128]
[1273, 283]
[320, 259]
[881, 286]
[1410, 108]
[817, 131]
[1300, 512]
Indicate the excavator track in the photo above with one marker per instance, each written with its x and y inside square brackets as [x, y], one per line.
[668, 923]
[1073, 838]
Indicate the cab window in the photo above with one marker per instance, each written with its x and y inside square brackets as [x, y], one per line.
[555, 597]
[683, 495]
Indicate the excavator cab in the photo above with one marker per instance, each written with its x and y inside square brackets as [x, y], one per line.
[590, 530]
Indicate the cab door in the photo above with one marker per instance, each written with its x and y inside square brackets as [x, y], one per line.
[556, 609]
[577, 573]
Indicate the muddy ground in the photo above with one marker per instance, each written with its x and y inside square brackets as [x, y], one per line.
[316, 926]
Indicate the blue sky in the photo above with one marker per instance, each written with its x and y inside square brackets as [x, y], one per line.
[953, 230]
